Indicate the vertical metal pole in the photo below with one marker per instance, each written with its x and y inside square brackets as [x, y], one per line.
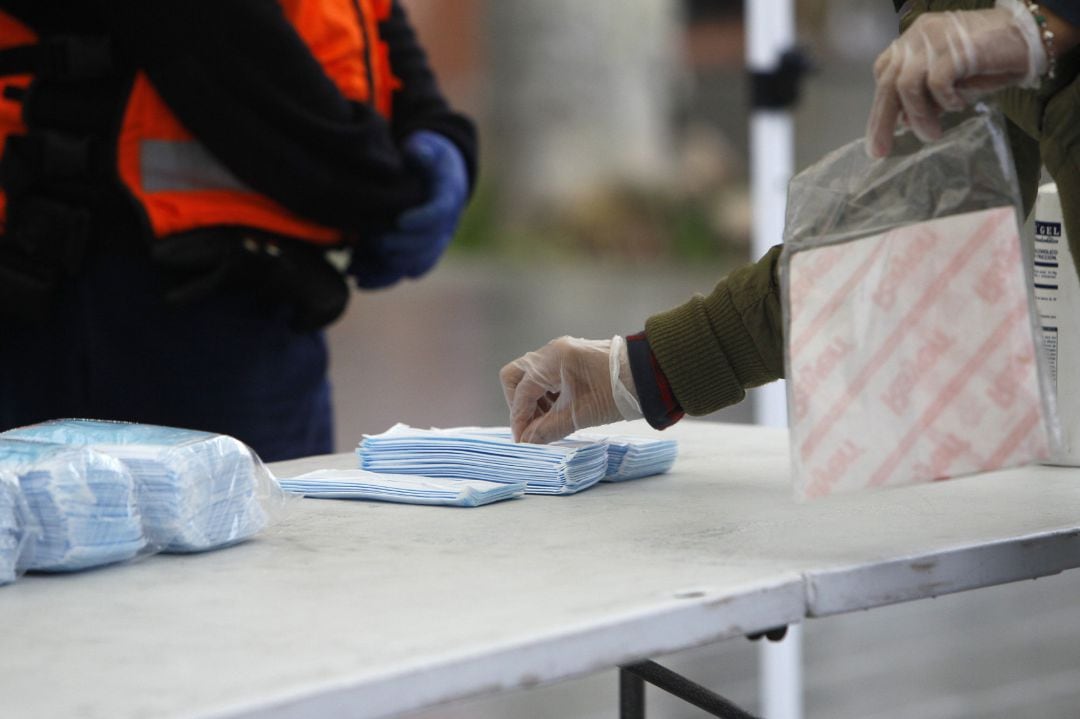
[780, 672]
[631, 695]
[770, 29]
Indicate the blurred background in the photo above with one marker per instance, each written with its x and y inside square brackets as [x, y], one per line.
[614, 185]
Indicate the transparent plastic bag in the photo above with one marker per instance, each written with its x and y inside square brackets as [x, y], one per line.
[17, 527]
[81, 504]
[196, 490]
[910, 328]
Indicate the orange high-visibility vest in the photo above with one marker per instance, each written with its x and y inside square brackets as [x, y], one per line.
[179, 184]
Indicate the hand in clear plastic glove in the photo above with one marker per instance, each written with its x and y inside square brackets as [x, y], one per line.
[423, 233]
[567, 385]
[945, 62]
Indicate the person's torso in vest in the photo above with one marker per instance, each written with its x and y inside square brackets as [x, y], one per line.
[56, 154]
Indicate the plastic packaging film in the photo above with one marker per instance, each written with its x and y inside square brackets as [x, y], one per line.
[911, 335]
[76, 494]
[15, 526]
[82, 503]
[196, 490]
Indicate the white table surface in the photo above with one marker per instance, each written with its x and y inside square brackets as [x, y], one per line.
[366, 610]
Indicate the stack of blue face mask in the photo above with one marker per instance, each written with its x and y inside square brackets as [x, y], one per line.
[196, 490]
[485, 453]
[12, 525]
[82, 503]
[634, 457]
[407, 489]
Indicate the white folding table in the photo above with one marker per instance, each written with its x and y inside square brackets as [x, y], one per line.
[355, 609]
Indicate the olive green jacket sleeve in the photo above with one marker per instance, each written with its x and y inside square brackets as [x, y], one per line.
[713, 348]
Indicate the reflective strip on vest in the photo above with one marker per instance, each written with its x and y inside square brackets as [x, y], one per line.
[183, 166]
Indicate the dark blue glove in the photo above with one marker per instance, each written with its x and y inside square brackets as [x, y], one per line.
[421, 234]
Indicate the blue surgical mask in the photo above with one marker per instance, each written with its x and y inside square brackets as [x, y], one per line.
[196, 490]
[81, 503]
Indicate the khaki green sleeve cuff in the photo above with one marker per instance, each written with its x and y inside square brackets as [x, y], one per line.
[713, 348]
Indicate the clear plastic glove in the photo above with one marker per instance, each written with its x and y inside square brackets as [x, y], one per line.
[567, 385]
[422, 233]
[945, 62]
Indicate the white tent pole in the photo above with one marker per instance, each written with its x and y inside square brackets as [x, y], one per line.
[770, 29]
[770, 32]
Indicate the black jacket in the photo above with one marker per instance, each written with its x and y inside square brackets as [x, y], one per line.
[239, 77]
[1068, 10]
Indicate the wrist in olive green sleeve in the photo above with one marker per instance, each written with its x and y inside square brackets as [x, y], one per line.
[713, 348]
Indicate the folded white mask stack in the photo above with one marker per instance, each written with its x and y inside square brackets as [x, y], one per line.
[633, 457]
[487, 453]
[196, 490]
[81, 501]
[405, 489]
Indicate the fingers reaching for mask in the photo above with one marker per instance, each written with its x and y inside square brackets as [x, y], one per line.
[567, 385]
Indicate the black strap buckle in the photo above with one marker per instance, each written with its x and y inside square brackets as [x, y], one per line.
[199, 263]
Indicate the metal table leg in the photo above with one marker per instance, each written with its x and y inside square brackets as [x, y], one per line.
[631, 695]
[632, 678]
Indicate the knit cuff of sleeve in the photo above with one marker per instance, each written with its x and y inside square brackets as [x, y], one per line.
[658, 403]
[713, 348]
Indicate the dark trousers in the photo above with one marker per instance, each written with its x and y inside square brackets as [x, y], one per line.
[113, 349]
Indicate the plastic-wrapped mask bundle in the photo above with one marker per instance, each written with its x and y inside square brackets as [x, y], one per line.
[405, 489]
[196, 490]
[12, 525]
[82, 501]
[633, 457]
[487, 453]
